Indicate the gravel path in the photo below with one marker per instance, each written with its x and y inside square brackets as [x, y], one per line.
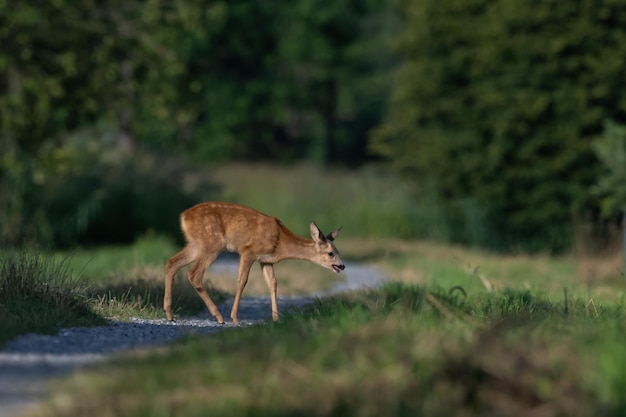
[30, 362]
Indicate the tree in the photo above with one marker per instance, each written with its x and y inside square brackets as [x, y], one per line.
[216, 80]
[610, 148]
[497, 103]
[337, 65]
[66, 67]
[284, 80]
[69, 64]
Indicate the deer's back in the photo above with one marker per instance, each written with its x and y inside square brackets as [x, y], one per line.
[234, 227]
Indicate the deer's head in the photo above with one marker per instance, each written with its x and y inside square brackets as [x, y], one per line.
[327, 253]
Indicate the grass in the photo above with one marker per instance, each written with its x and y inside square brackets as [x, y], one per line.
[435, 341]
[403, 350]
[596, 279]
[367, 202]
[112, 263]
[39, 295]
[42, 292]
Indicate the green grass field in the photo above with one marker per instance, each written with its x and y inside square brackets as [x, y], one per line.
[457, 331]
[403, 350]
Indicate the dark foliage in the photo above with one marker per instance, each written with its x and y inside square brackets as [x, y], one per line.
[497, 103]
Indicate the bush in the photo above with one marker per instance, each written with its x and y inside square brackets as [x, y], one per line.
[88, 191]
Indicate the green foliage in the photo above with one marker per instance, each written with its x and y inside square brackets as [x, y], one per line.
[215, 80]
[301, 84]
[39, 295]
[87, 190]
[203, 81]
[610, 148]
[67, 64]
[497, 103]
[369, 201]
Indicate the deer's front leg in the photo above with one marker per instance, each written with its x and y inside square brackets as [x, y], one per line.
[270, 279]
[245, 264]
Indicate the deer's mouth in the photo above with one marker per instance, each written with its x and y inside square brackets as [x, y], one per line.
[338, 268]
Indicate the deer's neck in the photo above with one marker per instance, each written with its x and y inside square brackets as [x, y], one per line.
[291, 246]
[299, 248]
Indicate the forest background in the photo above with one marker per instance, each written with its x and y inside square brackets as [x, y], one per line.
[502, 119]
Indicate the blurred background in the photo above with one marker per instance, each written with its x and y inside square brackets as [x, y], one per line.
[497, 124]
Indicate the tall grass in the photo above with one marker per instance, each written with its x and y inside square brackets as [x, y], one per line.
[41, 293]
[367, 202]
[38, 294]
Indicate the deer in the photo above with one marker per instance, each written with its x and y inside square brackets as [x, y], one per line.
[214, 227]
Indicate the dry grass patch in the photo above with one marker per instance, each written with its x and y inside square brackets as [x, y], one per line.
[139, 290]
[432, 264]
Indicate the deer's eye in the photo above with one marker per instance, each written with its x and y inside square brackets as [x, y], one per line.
[331, 254]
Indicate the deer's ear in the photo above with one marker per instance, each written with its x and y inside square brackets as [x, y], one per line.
[317, 234]
[332, 236]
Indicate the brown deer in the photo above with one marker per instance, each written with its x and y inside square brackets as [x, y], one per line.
[210, 228]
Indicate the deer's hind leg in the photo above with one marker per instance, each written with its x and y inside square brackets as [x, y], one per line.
[173, 265]
[196, 276]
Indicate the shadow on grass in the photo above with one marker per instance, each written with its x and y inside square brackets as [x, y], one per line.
[144, 297]
[45, 316]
